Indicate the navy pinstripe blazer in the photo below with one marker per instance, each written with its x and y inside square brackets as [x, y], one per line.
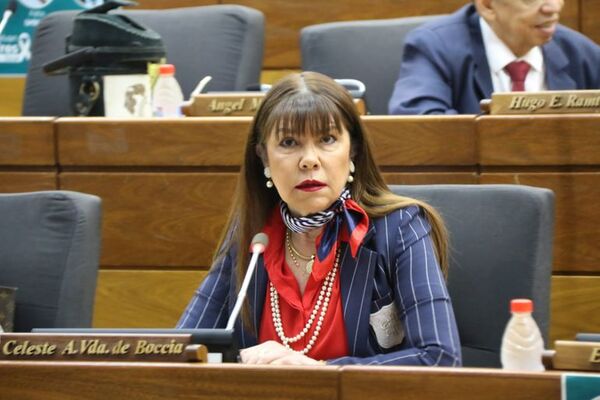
[395, 269]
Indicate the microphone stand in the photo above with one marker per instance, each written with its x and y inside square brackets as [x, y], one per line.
[259, 243]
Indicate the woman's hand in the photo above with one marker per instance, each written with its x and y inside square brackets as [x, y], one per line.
[271, 352]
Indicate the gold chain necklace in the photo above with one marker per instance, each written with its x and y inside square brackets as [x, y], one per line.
[310, 261]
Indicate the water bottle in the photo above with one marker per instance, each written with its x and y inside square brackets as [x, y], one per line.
[522, 344]
[167, 96]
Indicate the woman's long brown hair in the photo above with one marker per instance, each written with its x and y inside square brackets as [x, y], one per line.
[307, 103]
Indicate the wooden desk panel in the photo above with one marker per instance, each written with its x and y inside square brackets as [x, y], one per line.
[149, 381]
[575, 304]
[143, 299]
[156, 299]
[191, 142]
[158, 219]
[152, 142]
[539, 140]
[577, 215]
[423, 141]
[158, 381]
[387, 383]
[16, 181]
[27, 142]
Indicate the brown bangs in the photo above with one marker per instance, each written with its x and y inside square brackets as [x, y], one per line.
[302, 113]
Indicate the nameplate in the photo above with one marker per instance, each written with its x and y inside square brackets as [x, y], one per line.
[100, 347]
[575, 355]
[222, 104]
[234, 104]
[550, 102]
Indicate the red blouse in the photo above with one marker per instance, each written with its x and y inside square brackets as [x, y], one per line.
[295, 308]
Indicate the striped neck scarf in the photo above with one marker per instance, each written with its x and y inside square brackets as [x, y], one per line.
[343, 211]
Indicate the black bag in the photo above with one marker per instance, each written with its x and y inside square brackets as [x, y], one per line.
[104, 44]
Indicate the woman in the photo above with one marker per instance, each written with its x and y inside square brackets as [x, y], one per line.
[352, 273]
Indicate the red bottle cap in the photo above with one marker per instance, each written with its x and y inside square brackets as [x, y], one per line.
[521, 305]
[167, 69]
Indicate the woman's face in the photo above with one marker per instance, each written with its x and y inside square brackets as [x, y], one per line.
[309, 171]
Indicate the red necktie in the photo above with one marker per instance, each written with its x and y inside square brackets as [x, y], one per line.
[517, 70]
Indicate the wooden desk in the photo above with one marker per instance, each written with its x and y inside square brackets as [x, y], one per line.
[408, 383]
[145, 381]
[27, 154]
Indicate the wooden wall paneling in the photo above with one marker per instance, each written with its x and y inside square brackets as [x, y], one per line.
[570, 15]
[577, 215]
[386, 383]
[423, 141]
[18, 181]
[271, 76]
[158, 381]
[158, 219]
[285, 19]
[539, 140]
[143, 298]
[152, 142]
[575, 306]
[11, 95]
[590, 15]
[27, 142]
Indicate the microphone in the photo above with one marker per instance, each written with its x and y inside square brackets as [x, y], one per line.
[10, 9]
[258, 245]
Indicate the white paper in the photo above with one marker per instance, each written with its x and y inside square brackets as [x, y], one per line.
[127, 96]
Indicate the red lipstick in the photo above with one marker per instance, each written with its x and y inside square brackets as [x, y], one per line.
[310, 185]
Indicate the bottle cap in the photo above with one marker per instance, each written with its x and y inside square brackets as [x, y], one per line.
[167, 69]
[521, 305]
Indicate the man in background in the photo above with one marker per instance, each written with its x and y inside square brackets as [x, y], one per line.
[453, 62]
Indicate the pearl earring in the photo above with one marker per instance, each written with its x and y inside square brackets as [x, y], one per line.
[352, 168]
[267, 172]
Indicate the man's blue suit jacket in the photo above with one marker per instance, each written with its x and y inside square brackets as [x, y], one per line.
[445, 70]
[396, 266]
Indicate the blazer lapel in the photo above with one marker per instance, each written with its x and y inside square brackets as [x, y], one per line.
[356, 281]
[556, 62]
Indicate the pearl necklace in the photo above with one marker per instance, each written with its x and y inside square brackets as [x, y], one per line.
[322, 303]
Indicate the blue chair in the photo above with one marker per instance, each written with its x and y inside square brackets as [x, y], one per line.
[50, 251]
[367, 50]
[501, 248]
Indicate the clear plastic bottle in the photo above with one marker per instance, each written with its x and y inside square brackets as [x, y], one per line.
[522, 343]
[167, 96]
